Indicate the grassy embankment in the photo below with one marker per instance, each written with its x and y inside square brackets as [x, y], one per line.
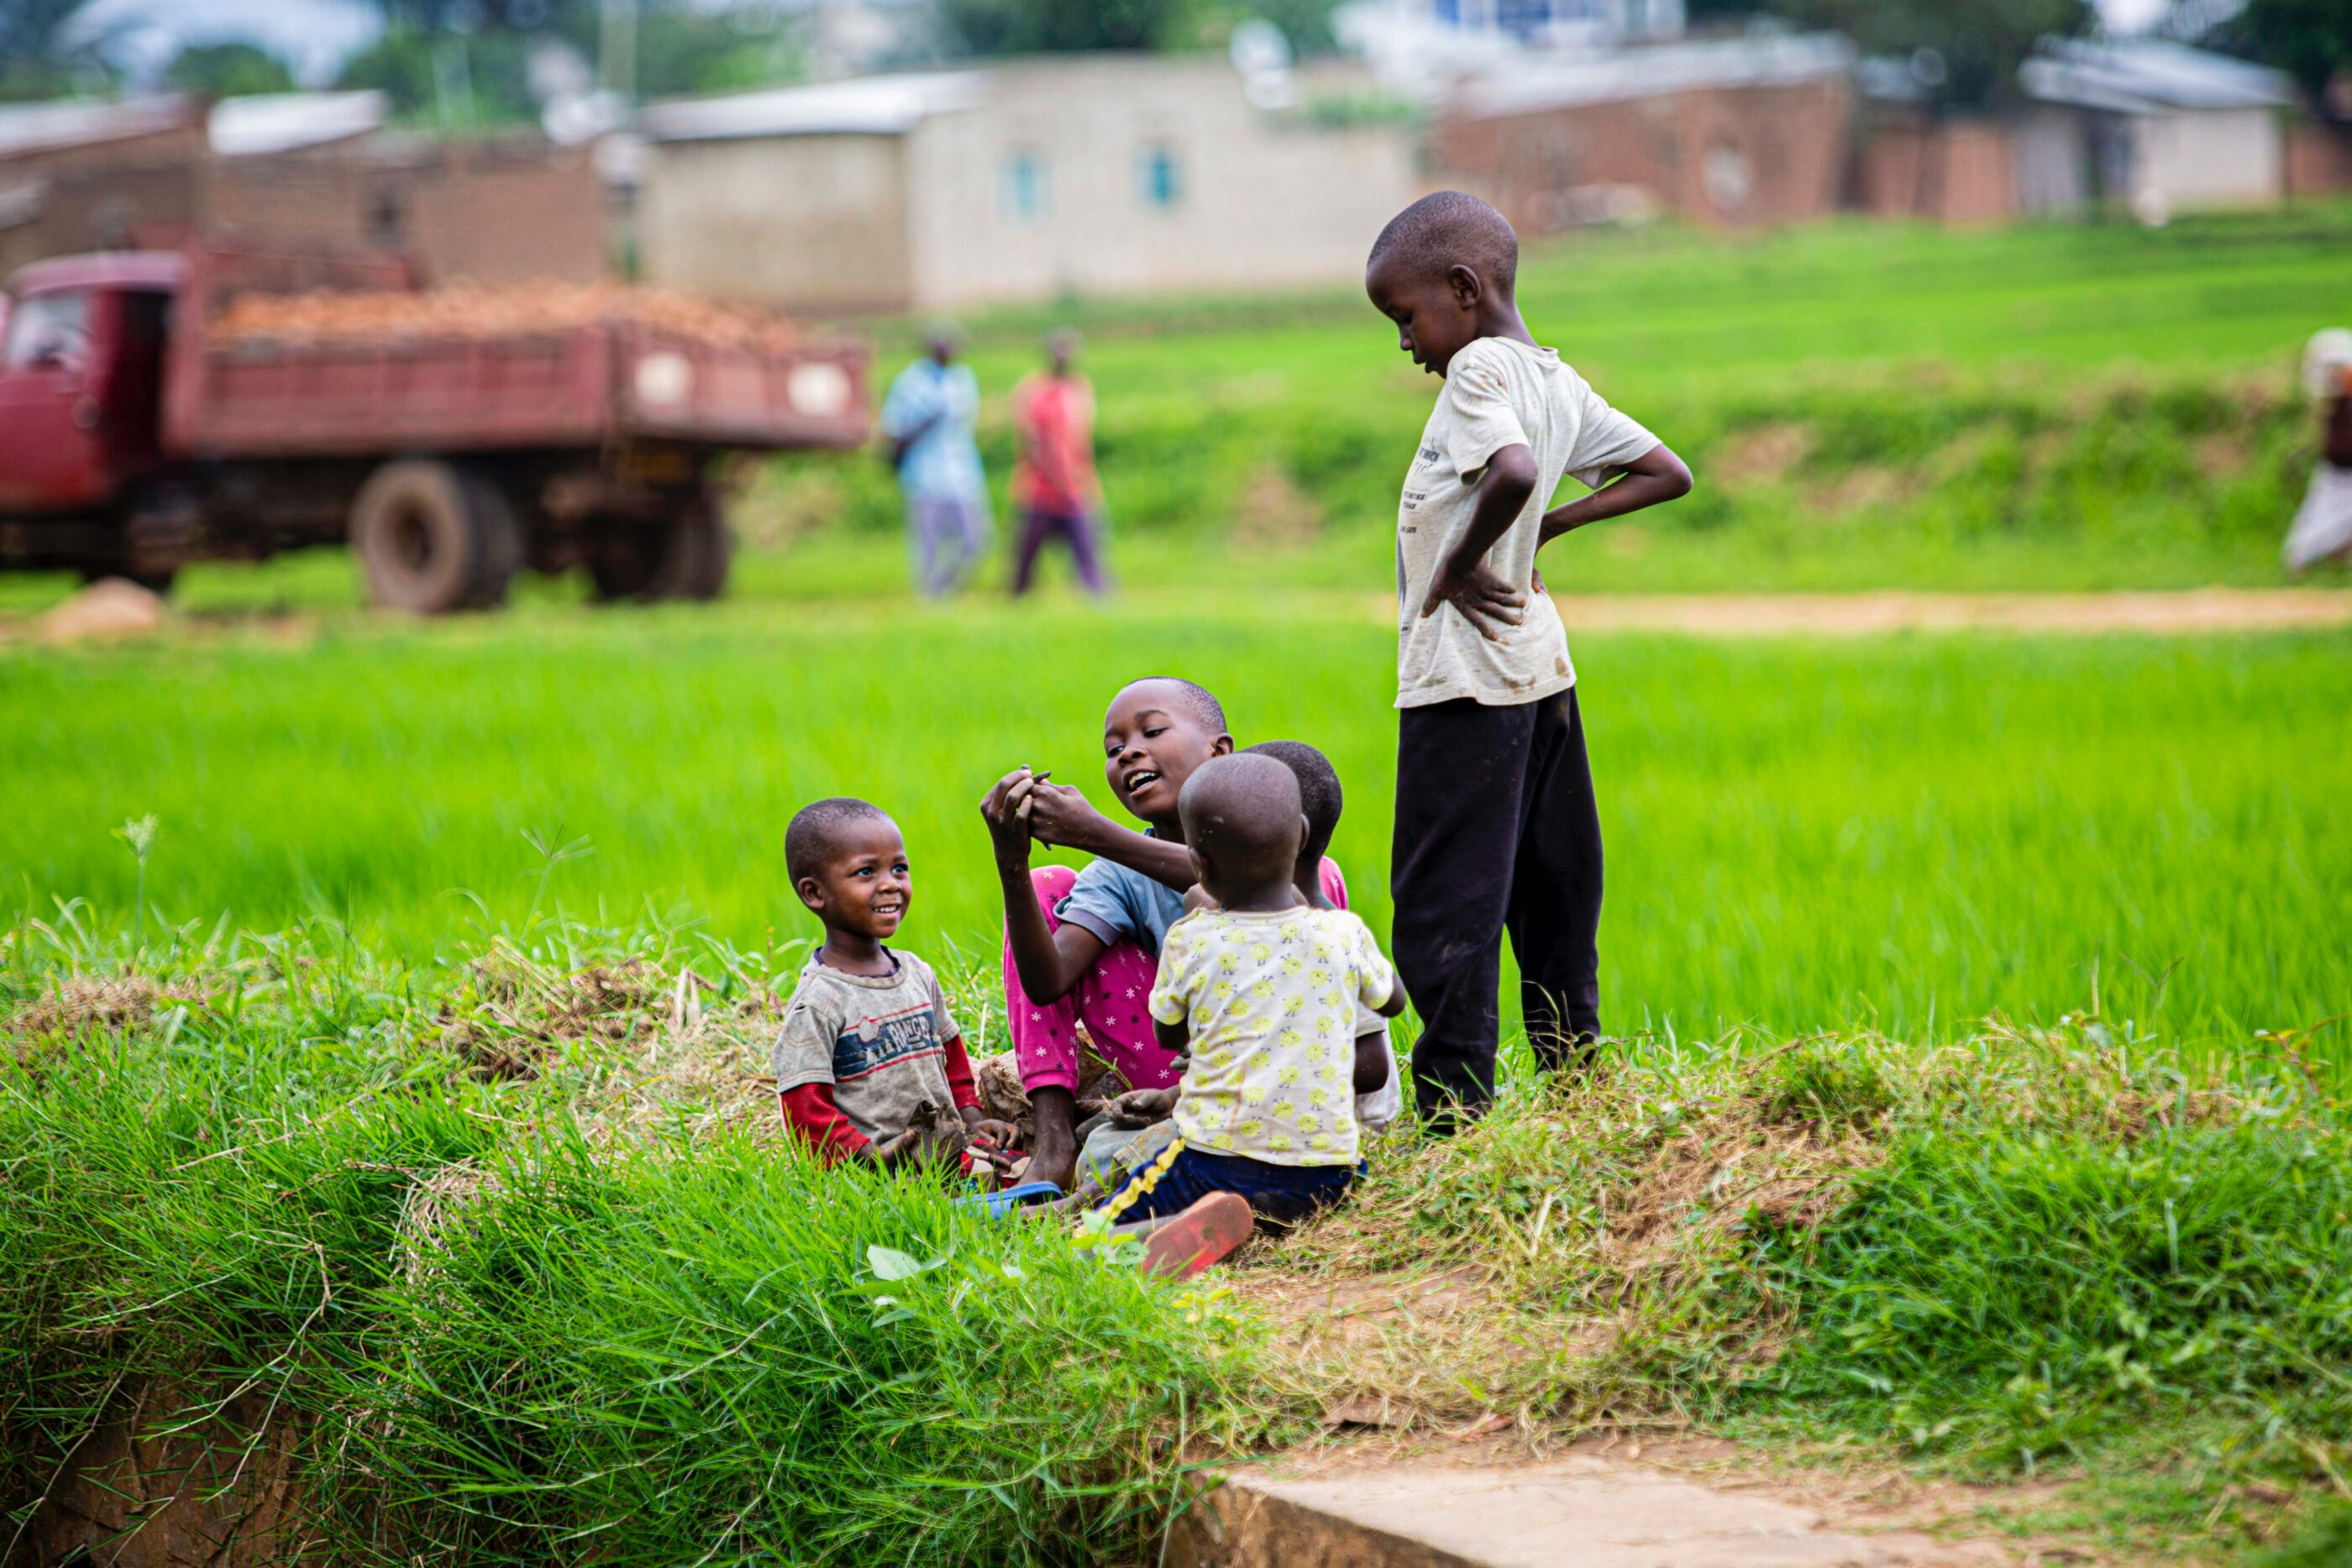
[2109, 1246]
[507, 1268]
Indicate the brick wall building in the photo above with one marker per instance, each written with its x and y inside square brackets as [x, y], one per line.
[1734, 132]
[77, 177]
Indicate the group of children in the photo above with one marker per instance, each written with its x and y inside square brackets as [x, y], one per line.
[1210, 959]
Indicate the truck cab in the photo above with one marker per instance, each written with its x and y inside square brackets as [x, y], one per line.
[82, 347]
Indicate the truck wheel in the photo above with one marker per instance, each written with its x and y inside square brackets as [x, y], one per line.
[431, 537]
[710, 549]
[648, 562]
[501, 538]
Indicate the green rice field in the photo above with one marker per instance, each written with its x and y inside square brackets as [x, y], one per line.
[1909, 832]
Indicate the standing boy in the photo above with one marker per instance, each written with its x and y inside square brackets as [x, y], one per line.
[1496, 826]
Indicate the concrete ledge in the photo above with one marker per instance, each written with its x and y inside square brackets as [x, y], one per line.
[1579, 1512]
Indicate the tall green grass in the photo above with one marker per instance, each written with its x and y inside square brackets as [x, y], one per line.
[1909, 832]
[641, 1342]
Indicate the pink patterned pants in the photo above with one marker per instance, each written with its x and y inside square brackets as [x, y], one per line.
[1110, 1002]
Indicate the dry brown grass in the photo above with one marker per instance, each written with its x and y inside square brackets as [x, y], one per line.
[1760, 454]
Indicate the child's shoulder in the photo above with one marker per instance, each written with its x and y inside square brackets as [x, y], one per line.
[1340, 922]
[1193, 929]
[1512, 363]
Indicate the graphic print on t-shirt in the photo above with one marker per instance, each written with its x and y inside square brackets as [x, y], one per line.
[875, 1043]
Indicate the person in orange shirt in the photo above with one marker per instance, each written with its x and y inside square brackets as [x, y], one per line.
[1053, 484]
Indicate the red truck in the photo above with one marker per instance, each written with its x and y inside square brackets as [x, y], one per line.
[132, 439]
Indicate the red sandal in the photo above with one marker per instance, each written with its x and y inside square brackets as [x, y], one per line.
[1202, 1235]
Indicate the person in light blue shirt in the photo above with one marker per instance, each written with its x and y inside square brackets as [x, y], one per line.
[929, 417]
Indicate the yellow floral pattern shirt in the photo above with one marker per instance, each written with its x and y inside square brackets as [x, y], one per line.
[1271, 999]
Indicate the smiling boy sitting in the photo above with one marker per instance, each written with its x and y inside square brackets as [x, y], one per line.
[868, 1042]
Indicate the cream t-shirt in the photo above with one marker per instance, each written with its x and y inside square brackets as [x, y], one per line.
[1271, 997]
[1499, 393]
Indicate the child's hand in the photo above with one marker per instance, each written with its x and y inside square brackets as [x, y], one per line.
[990, 1132]
[1057, 812]
[1006, 808]
[901, 1150]
[1142, 1107]
[1486, 598]
[1198, 897]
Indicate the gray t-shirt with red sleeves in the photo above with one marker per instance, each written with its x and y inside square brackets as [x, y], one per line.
[879, 1040]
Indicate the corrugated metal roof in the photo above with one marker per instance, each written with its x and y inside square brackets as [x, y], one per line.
[282, 121]
[36, 127]
[884, 106]
[1529, 85]
[2148, 76]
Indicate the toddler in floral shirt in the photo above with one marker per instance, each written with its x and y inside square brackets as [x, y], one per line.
[1261, 993]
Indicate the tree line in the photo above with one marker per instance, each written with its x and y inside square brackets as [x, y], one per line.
[459, 62]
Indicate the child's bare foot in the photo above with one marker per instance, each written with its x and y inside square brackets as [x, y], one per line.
[1203, 1234]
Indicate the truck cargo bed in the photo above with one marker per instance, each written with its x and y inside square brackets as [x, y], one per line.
[598, 383]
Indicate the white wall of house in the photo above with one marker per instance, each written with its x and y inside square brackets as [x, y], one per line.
[1091, 175]
[1135, 176]
[803, 223]
[2186, 158]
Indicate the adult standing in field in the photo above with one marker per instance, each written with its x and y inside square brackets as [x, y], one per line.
[2323, 527]
[1054, 482]
[928, 419]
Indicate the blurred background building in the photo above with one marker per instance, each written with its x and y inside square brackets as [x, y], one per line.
[317, 166]
[1091, 173]
[863, 155]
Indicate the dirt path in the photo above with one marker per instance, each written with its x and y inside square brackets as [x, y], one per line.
[2197, 610]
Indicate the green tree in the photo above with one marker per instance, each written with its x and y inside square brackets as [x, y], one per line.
[434, 70]
[1981, 42]
[2311, 40]
[457, 80]
[1306, 23]
[227, 70]
[36, 59]
[1047, 26]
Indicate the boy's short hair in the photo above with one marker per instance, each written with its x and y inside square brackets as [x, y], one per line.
[1452, 227]
[1196, 699]
[1244, 809]
[1318, 790]
[816, 828]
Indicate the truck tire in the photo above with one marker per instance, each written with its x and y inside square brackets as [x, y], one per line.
[711, 550]
[644, 563]
[502, 541]
[431, 537]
